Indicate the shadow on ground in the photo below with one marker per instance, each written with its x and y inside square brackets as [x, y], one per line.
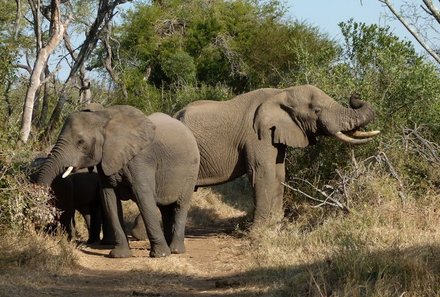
[396, 268]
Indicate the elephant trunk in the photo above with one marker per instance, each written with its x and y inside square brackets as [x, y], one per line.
[350, 119]
[55, 164]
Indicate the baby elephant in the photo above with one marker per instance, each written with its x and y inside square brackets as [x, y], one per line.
[79, 192]
[154, 159]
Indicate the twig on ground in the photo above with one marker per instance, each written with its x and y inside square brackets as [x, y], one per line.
[327, 201]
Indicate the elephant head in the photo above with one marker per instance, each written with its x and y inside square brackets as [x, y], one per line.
[296, 115]
[105, 137]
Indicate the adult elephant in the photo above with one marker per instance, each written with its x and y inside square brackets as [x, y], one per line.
[154, 160]
[250, 133]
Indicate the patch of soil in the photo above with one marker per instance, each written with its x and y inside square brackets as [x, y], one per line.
[213, 258]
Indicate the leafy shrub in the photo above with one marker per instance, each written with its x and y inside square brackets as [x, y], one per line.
[22, 204]
[23, 214]
[402, 88]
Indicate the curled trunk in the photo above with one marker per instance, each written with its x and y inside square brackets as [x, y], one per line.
[359, 115]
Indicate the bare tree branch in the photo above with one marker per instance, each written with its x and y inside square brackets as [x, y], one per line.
[6, 96]
[433, 10]
[104, 16]
[57, 30]
[412, 30]
[22, 66]
[383, 158]
[35, 4]
[17, 18]
[84, 86]
[109, 59]
[50, 75]
[328, 197]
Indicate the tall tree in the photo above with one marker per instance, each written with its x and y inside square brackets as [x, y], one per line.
[56, 16]
[57, 28]
[420, 20]
[105, 13]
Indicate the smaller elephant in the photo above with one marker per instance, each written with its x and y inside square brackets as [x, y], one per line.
[79, 192]
[154, 160]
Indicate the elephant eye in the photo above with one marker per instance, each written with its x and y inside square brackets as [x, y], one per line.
[81, 142]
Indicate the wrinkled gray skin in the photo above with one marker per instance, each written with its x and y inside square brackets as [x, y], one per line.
[249, 135]
[154, 160]
[81, 192]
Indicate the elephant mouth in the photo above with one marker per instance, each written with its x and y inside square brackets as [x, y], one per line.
[356, 136]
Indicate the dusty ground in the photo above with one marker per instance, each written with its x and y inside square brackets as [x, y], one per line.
[216, 255]
[207, 269]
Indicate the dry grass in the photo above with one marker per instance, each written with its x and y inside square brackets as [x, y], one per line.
[33, 249]
[222, 205]
[383, 247]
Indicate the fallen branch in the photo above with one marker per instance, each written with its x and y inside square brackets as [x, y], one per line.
[327, 201]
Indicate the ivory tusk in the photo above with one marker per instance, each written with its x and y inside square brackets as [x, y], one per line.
[364, 134]
[68, 171]
[341, 136]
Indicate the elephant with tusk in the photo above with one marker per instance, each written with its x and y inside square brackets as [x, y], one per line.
[154, 160]
[249, 135]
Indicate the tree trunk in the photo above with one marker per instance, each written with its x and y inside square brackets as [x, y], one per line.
[6, 96]
[44, 104]
[57, 31]
[104, 16]
[55, 115]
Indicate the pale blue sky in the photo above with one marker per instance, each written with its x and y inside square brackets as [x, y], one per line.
[326, 14]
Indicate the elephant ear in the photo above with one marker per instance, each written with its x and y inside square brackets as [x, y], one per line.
[127, 133]
[273, 122]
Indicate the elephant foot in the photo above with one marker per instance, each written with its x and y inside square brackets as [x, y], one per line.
[120, 253]
[177, 248]
[160, 251]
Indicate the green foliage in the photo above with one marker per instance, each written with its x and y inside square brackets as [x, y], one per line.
[240, 44]
[400, 84]
[7, 48]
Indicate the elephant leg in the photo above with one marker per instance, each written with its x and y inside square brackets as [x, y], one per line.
[145, 199]
[67, 223]
[87, 218]
[139, 232]
[108, 237]
[177, 244]
[112, 211]
[93, 222]
[168, 219]
[266, 174]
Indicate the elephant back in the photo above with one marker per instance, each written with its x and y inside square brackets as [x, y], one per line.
[174, 139]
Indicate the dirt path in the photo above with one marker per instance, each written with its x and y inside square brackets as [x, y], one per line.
[213, 258]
